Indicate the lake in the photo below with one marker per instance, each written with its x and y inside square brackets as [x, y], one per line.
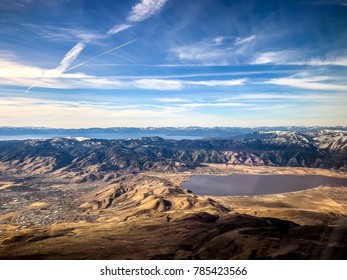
[106, 136]
[245, 184]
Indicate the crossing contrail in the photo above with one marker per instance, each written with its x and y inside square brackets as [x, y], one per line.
[92, 58]
[78, 65]
[32, 86]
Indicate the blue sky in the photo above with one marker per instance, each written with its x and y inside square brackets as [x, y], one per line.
[85, 63]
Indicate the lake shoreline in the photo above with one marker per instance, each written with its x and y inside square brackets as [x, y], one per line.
[259, 184]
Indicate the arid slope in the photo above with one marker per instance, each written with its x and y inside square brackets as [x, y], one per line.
[149, 216]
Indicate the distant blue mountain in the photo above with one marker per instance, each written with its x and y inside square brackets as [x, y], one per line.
[192, 132]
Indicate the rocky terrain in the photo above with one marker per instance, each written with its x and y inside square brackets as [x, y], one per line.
[122, 199]
[149, 216]
[323, 149]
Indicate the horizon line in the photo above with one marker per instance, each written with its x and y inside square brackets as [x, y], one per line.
[176, 127]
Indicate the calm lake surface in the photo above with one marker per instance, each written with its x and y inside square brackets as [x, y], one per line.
[244, 184]
[106, 136]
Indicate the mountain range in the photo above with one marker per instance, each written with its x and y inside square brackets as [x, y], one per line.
[322, 149]
[165, 132]
[89, 198]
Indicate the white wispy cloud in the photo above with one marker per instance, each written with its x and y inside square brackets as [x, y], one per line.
[101, 54]
[69, 58]
[27, 110]
[17, 74]
[310, 83]
[267, 108]
[139, 12]
[296, 57]
[10, 69]
[65, 66]
[171, 99]
[204, 52]
[338, 61]
[67, 34]
[266, 96]
[62, 67]
[217, 104]
[158, 84]
[218, 83]
[213, 53]
[216, 51]
[304, 98]
[14, 73]
[191, 106]
[165, 84]
[145, 9]
[258, 96]
[218, 40]
[241, 41]
[276, 57]
[4, 55]
[55, 113]
[118, 28]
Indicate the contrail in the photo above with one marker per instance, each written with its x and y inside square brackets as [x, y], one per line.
[80, 64]
[92, 58]
[34, 85]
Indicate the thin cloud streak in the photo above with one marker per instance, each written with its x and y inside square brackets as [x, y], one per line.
[209, 104]
[217, 52]
[67, 61]
[157, 84]
[293, 57]
[63, 66]
[338, 61]
[337, 98]
[241, 41]
[307, 83]
[69, 58]
[16, 74]
[118, 28]
[218, 40]
[138, 13]
[202, 53]
[99, 55]
[171, 99]
[31, 111]
[217, 83]
[164, 84]
[276, 57]
[145, 9]
[67, 34]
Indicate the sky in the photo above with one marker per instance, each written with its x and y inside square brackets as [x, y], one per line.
[141, 63]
